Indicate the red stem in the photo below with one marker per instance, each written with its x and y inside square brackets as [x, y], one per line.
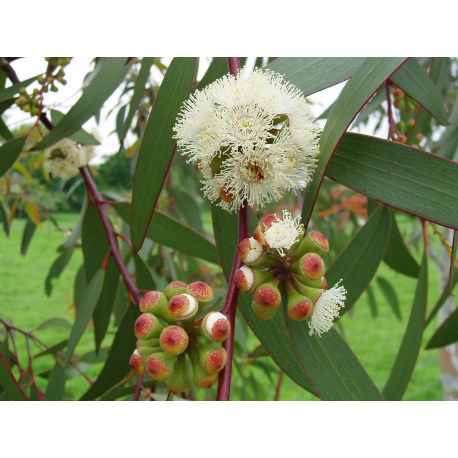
[390, 111]
[138, 387]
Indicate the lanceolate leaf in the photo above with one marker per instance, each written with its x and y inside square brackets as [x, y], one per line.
[9, 383]
[117, 365]
[143, 278]
[397, 255]
[217, 69]
[402, 177]
[140, 84]
[9, 152]
[408, 352]
[14, 89]
[390, 295]
[357, 264]
[103, 84]
[80, 136]
[88, 302]
[56, 269]
[453, 268]
[4, 131]
[170, 232]
[441, 301]
[446, 334]
[413, 79]
[56, 384]
[29, 230]
[313, 74]
[157, 147]
[368, 78]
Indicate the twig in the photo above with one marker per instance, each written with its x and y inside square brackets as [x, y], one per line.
[390, 111]
[138, 387]
[278, 388]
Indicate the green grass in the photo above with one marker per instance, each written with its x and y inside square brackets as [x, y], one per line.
[374, 340]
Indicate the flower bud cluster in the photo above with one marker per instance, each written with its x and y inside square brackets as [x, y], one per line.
[172, 346]
[65, 158]
[277, 259]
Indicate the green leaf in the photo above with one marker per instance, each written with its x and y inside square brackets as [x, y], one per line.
[218, 68]
[14, 89]
[391, 296]
[140, 84]
[29, 230]
[372, 301]
[94, 241]
[105, 304]
[53, 323]
[413, 79]
[9, 383]
[453, 269]
[88, 303]
[397, 255]
[80, 136]
[187, 207]
[371, 106]
[402, 177]
[272, 334]
[441, 301]
[4, 131]
[117, 365]
[157, 147]
[9, 152]
[102, 85]
[358, 263]
[120, 118]
[408, 352]
[446, 333]
[313, 74]
[170, 232]
[56, 384]
[55, 348]
[143, 277]
[368, 78]
[56, 269]
[121, 303]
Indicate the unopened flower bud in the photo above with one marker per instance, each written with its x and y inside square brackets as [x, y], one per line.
[263, 314]
[314, 242]
[174, 340]
[145, 352]
[399, 104]
[212, 358]
[259, 236]
[159, 366]
[312, 283]
[202, 292]
[147, 326]
[398, 94]
[215, 326]
[136, 363]
[202, 379]
[183, 306]
[312, 293]
[174, 288]
[147, 343]
[250, 251]
[419, 137]
[401, 127]
[54, 88]
[324, 284]
[156, 303]
[299, 307]
[181, 379]
[267, 296]
[41, 79]
[247, 279]
[410, 107]
[310, 266]
[401, 138]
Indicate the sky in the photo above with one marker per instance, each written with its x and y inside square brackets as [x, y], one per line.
[75, 72]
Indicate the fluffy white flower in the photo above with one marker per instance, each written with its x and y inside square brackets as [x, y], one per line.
[258, 134]
[326, 308]
[282, 234]
[65, 158]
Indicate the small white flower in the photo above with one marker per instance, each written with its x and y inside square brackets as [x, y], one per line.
[282, 234]
[258, 133]
[326, 308]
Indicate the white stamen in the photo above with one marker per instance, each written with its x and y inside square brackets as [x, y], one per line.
[282, 235]
[249, 276]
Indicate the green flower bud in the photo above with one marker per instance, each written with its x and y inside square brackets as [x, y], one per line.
[147, 326]
[312, 283]
[202, 379]
[174, 340]
[311, 266]
[312, 293]
[263, 314]
[401, 138]
[214, 326]
[159, 366]
[54, 88]
[156, 303]
[410, 107]
[267, 296]
[145, 352]
[174, 288]
[148, 343]
[299, 307]
[419, 137]
[181, 379]
[401, 127]
[136, 363]
[314, 242]
[399, 104]
[202, 292]
[212, 358]
[183, 306]
[398, 94]
[247, 279]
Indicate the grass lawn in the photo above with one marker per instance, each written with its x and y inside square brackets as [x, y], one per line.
[374, 340]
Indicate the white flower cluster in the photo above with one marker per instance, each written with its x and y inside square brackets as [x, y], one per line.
[65, 158]
[252, 137]
[282, 234]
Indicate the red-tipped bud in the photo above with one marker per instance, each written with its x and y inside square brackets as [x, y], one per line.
[263, 314]
[312, 293]
[136, 363]
[259, 236]
[181, 379]
[202, 379]
[419, 137]
[247, 279]
[401, 127]
[398, 94]
[212, 358]
[312, 283]
[268, 220]
[399, 104]
[159, 366]
[155, 302]
[202, 292]
[144, 352]
[174, 288]
[215, 326]
[174, 340]
[183, 306]
[267, 296]
[401, 138]
[314, 242]
[299, 307]
[147, 326]
[250, 251]
[310, 266]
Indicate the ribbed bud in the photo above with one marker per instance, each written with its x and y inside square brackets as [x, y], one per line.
[250, 251]
[212, 358]
[147, 326]
[155, 302]
[314, 242]
[267, 296]
[136, 363]
[183, 306]
[247, 279]
[174, 340]
[263, 314]
[312, 293]
[299, 307]
[181, 379]
[202, 292]
[202, 379]
[310, 266]
[174, 288]
[215, 326]
[159, 366]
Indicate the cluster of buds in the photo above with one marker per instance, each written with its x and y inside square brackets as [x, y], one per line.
[172, 346]
[409, 106]
[276, 258]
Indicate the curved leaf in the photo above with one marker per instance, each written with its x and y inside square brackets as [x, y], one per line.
[54, 323]
[217, 69]
[400, 176]
[56, 269]
[9, 383]
[143, 278]
[408, 352]
[9, 152]
[391, 296]
[102, 85]
[56, 384]
[80, 136]
[157, 147]
[446, 333]
[29, 230]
